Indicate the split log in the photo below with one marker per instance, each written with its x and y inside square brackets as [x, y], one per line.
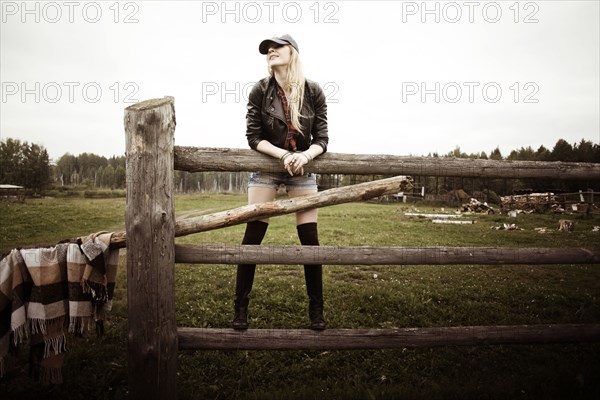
[367, 255]
[196, 159]
[355, 339]
[455, 222]
[440, 216]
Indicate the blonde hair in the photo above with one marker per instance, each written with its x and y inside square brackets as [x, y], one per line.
[294, 87]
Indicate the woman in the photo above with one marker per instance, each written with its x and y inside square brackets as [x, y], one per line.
[286, 119]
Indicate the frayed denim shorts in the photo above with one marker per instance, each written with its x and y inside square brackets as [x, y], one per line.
[276, 179]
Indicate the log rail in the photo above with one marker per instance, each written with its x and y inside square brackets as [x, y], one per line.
[360, 339]
[151, 228]
[197, 159]
[367, 255]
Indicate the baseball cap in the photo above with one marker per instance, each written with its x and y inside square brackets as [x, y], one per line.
[280, 40]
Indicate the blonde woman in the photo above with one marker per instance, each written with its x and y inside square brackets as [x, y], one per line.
[286, 119]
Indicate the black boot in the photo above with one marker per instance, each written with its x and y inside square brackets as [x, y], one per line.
[255, 232]
[313, 275]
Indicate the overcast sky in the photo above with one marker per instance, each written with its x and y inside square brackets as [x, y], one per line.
[400, 77]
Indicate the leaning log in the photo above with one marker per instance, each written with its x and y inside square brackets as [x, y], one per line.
[355, 339]
[197, 159]
[365, 255]
[253, 212]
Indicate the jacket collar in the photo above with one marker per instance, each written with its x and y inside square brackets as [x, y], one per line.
[273, 102]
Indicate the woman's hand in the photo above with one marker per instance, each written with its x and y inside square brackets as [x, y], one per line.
[294, 163]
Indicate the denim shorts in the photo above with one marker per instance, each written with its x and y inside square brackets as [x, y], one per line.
[276, 179]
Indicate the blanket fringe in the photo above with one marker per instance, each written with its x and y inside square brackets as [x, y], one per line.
[80, 324]
[58, 344]
[37, 326]
[42, 326]
[20, 333]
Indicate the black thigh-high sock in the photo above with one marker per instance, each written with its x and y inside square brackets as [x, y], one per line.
[313, 273]
[254, 234]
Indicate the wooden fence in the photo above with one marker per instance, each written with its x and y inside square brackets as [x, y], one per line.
[153, 336]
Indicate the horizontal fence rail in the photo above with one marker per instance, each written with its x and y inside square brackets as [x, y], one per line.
[364, 255]
[196, 159]
[356, 339]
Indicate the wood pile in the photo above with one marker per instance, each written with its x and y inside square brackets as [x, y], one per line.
[477, 206]
[531, 202]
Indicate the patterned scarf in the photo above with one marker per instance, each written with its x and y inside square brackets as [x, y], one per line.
[290, 140]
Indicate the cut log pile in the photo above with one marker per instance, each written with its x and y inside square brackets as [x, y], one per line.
[542, 202]
[532, 202]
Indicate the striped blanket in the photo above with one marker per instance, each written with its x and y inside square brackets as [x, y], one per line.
[47, 292]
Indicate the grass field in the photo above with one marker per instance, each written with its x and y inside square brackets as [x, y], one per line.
[356, 297]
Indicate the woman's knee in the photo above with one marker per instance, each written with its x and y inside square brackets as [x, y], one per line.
[306, 217]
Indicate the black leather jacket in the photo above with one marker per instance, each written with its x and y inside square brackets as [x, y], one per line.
[265, 119]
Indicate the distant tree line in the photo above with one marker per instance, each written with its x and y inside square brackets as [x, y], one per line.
[90, 171]
[584, 151]
[490, 189]
[28, 165]
[24, 164]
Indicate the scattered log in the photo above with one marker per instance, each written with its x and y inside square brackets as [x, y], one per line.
[455, 222]
[440, 216]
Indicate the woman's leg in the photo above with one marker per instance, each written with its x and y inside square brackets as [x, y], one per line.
[254, 234]
[306, 224]
[259, 194]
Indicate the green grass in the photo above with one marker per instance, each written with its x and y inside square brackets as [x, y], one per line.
[400, 296]
[39, 221]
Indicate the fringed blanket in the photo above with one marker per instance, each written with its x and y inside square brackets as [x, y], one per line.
[46, 292]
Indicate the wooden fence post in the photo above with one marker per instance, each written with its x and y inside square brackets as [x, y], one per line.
[150, 228]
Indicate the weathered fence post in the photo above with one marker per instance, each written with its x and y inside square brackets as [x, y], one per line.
[150, 228]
